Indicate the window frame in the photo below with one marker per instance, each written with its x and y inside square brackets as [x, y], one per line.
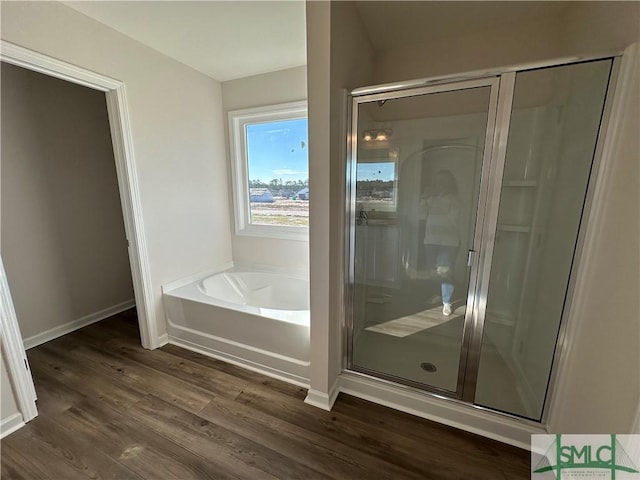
[238, 119]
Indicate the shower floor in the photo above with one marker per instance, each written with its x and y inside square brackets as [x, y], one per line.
[402, 356]
[397, 338]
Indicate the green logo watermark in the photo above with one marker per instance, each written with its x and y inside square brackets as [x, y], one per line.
[561, 457]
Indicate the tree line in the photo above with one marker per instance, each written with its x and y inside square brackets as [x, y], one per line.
[374, 189]
[278, 184]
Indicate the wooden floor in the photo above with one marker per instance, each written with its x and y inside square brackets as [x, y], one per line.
[110, 409]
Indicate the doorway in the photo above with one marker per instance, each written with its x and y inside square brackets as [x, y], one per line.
[63, 240]
[16, 360]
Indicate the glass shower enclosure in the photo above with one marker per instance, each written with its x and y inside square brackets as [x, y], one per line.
[466, 200]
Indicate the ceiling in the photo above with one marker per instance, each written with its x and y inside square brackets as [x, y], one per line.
[222, 39]
[233, 39]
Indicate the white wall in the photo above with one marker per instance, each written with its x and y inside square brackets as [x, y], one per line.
[600, 389]
[318, 86]
[339, 57]
[178, 135]
[283, 86]
[63, 239]
[351, 66]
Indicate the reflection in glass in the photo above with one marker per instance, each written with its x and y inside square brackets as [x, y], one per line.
[376, 185]
[441, 210]
[418, 171]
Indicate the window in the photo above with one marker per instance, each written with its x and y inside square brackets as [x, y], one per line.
[270, 165]
[376, 181]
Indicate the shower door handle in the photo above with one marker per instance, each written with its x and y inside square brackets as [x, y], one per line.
[362, 218]
[471, 256]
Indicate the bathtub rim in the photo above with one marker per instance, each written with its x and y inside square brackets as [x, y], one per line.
[302, 274]
[238, 285]
[188, 288]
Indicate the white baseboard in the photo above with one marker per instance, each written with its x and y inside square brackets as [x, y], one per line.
[11, 424]
[464, 417]
[323, 400]
[241, 362]
[163, 340]
[69, 327]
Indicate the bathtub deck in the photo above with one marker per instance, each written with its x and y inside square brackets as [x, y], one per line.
[110, 409]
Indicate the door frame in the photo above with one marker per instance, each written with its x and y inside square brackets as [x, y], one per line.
[401, 395]
[128, 186]
[15, 355]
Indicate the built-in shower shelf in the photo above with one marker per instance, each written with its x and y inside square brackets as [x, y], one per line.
[506, 227]
[520, 183]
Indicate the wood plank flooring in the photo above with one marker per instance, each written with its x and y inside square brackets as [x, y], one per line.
[111, 410]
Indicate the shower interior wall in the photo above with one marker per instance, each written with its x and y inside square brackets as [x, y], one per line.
[577, 30]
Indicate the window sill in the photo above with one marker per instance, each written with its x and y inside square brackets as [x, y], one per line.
[300, 234]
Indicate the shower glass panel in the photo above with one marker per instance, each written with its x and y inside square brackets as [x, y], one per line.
[554, 126]
[418, 180]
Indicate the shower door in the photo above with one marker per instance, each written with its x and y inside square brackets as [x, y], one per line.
[419, 174]
[465, 216]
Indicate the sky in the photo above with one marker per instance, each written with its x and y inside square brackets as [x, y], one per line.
[278, 150]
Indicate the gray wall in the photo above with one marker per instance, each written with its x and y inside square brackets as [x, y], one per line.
[63, 238]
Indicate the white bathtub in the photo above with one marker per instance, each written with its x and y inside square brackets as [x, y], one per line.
[268, 294]
[254, 318]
